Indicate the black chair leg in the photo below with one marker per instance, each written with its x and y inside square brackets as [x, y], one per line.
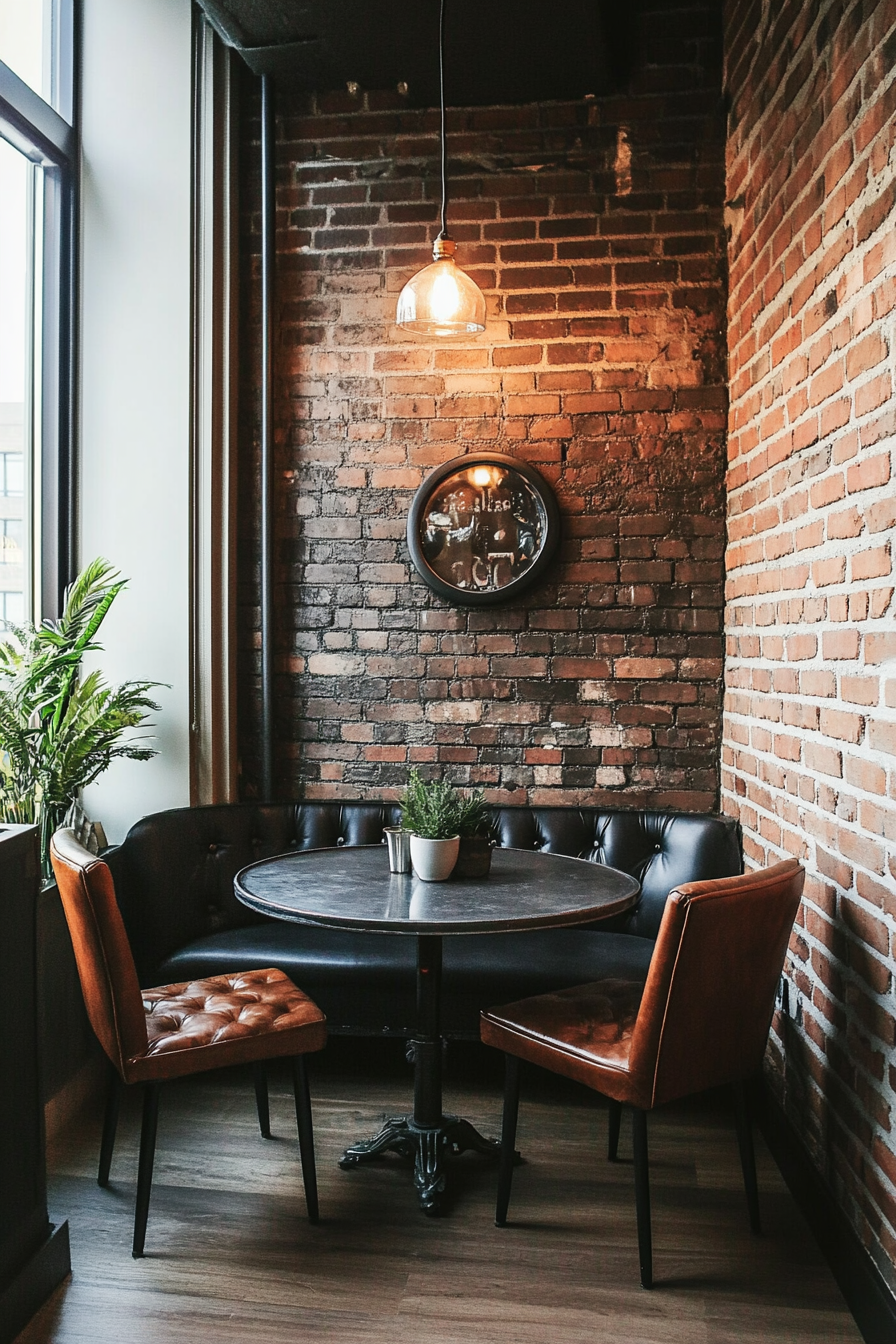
[144, 1169]
[747, 1154]
[110, 1125]
[306, 1135]
[615, 1120]
[260, 1074]
[508, 1137]
[642, 1196]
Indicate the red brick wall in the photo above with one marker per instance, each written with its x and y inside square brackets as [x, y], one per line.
[810, 719]
[595, 230]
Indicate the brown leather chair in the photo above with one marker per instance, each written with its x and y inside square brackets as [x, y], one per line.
[152, 1035]
[701, 1019]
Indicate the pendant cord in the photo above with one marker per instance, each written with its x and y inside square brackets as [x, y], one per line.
[444, 232]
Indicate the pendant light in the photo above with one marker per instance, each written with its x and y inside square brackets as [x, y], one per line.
[441, 300]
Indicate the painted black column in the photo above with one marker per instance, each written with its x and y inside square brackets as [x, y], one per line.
[268, 211]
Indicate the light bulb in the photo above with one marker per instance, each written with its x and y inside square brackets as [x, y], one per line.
[441, 300]
[445, 299]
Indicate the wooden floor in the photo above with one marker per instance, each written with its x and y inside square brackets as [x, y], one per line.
[230, 1256]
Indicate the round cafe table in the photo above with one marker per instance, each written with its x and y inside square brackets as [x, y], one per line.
[353, 889]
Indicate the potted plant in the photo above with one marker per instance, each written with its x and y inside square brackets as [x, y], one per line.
[59, 731]
[430, 812]
[474, 856]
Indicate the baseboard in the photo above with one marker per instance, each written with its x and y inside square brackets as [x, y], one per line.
[34, 1283]
[867, 1294]
[81, 1090]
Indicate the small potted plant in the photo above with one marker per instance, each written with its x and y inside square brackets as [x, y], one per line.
[430, 812]
[474, 857]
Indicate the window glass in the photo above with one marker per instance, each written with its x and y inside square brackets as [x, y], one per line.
[12, 465]
[17, 235]
[11, 608]
[25, 27]
[10, 541]
[36, 310]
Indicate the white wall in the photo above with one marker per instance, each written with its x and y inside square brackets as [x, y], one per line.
[135, 364]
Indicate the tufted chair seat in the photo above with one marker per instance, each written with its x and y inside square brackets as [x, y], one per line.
[174, 877]
[203, 1024]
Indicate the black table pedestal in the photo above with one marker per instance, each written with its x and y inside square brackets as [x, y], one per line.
[428, 1147]
[352, 888]
[428, 1136]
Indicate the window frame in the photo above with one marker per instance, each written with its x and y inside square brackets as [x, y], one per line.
[46, 139]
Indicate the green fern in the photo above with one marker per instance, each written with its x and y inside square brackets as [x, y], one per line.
[59, 733]
[437, 811]
[474, 814]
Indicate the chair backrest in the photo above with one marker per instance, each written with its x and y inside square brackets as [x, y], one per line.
[102, 952]
[710, 992]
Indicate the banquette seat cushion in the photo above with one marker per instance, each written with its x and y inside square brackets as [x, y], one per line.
[174, 879]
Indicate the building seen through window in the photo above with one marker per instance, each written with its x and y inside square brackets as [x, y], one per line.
[17, 428]
[37, 154]
[27, 46]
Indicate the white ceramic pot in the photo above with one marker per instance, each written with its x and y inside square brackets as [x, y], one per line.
[434, 860]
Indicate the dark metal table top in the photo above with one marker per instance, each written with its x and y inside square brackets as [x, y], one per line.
[353, 889]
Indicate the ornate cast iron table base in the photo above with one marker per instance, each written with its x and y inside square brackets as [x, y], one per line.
[428, 1145]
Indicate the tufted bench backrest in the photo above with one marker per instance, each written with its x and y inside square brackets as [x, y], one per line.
[174, 871]
[662, 850]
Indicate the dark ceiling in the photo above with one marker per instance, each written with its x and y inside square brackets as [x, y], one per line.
[496, 51]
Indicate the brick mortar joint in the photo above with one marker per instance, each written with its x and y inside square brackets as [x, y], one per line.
[741, 242]
[771, 113]
[736, 493]
[804, 772]
[824, 1154]
[757, 389]
[827, 1028]
[852, 892]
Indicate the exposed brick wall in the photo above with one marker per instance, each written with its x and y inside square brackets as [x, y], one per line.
[810, 721]
[595, 230]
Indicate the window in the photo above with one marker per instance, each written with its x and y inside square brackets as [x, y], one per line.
[35, 43]
[12, 465]
[11, 608]
[16, 275]
[11, 541]
[36, 308]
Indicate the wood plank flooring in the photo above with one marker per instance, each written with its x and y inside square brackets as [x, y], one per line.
[230, 1256]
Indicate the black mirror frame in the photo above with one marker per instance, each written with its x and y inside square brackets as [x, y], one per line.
[464, 596]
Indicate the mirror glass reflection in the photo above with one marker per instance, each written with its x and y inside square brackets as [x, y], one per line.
[483, 528]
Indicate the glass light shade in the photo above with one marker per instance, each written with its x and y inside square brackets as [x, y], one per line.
[441, 300]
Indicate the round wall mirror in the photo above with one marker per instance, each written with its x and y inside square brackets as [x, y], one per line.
[482, 528]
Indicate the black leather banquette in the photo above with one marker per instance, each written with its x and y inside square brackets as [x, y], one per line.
[174, 878]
